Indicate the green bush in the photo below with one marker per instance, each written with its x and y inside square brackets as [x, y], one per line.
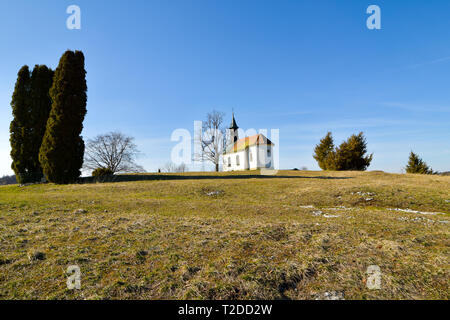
[417, 165]
[350, 155]
[102, 172]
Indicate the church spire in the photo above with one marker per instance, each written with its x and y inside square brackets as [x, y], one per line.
[233, 124]
[233, 131]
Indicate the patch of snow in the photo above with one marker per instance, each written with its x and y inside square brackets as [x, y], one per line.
[332, 295]
[340, 208]
[80, 211]
[364, 194]
[214, 193]
[415, 211]
[307, 207]
[421, 219]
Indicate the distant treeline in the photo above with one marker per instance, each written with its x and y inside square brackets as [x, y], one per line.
[8, 180]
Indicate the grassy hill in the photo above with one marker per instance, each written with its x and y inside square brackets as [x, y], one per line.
[298, 235]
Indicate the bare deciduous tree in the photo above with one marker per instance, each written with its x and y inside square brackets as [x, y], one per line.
[114, 151]
[211, 139]
[172, 167]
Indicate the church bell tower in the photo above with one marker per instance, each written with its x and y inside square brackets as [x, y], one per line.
[233, 132]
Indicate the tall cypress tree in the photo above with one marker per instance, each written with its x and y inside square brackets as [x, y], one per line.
[19, 128]
[31, 105]
[41, 103]
[62, 149]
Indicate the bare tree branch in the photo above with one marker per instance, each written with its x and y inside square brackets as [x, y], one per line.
[172, 167]
[211, 139]
[114, 151]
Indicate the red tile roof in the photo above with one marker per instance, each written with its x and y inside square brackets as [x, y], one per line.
[244, 143]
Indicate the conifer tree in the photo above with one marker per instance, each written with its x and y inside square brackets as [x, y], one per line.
[19, 128]
[324, 153]
[417, 165]
[41, 103]
[351, 154]
[31, 105]
[62, 149]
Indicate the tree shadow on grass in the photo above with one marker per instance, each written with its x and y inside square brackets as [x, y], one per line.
[151, 177]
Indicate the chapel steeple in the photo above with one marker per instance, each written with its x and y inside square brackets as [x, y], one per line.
[234, 131]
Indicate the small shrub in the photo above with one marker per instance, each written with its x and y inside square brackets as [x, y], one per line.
[102, 172]
[417, 165]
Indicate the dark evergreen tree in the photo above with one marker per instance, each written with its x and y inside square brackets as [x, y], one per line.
[62, 149]
[351, 154]
[324, 153]
[417, 165]
[41, 103]
[19, 128]
[31, 105]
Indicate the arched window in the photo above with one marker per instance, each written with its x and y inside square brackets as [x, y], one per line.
[268, 152]
[229, 161]
[237, 161]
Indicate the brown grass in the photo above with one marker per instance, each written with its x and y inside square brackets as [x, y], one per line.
[257, 238]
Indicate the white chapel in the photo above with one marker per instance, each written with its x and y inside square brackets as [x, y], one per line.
[249, 153]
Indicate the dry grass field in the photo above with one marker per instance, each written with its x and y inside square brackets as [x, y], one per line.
[298, 235]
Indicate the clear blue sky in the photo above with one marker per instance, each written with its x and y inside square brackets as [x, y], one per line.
[304, 67]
